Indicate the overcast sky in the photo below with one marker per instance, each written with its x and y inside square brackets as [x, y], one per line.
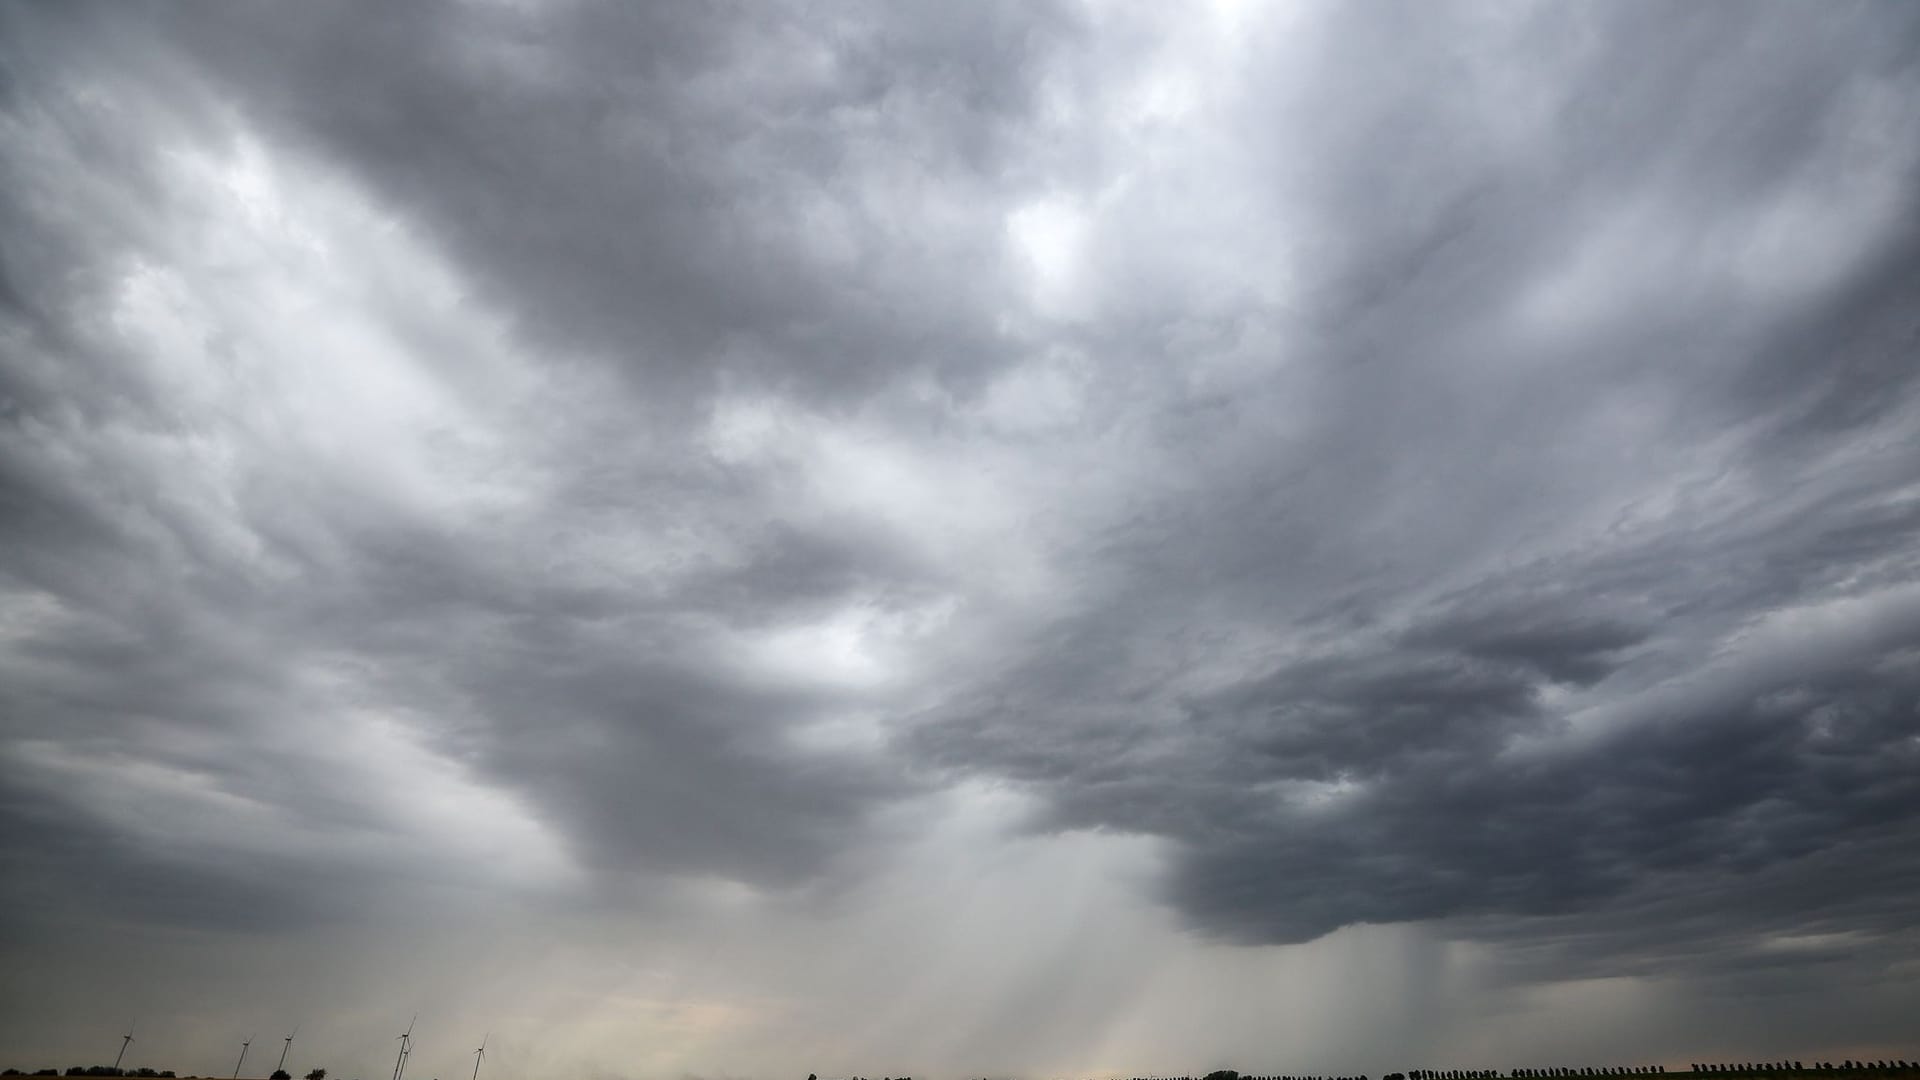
[738, 540]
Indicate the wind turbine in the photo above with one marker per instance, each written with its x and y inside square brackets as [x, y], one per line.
[480, 1055]
[243, 1056]
[283, 1050]
[124, 1040]
[406, 1043]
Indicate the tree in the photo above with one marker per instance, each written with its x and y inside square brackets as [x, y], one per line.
[281, 1074]
[317, 1074]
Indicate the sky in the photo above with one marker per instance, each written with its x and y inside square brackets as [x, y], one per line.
[1055, 538]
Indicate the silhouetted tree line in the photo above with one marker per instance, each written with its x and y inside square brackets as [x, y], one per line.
[95, 1071]
[1848, 1065]
[1553, 1072]
[1588, 1071]
[1232, 1074]
[151, 1074]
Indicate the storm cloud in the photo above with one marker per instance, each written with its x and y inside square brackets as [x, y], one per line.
[1439, 476]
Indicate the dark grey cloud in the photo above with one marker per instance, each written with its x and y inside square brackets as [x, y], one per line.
[683, 194]
[1376, 768]
[1406, 464]
[145, 637]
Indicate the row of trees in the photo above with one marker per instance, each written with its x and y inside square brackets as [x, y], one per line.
[1848, 1065]
[1557, 1071]
[1542, 1073]
[91, 1071]
[137, 1073]
[1232, 1074]
[1434, 1074]
[1588, 1071]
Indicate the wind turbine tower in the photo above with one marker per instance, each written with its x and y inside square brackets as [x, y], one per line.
[406, 1043]
[248, 1041]
[479, 1056]
[283, 1050]
[124, 1040]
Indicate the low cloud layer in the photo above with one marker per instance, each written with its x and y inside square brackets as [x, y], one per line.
[583, 477]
